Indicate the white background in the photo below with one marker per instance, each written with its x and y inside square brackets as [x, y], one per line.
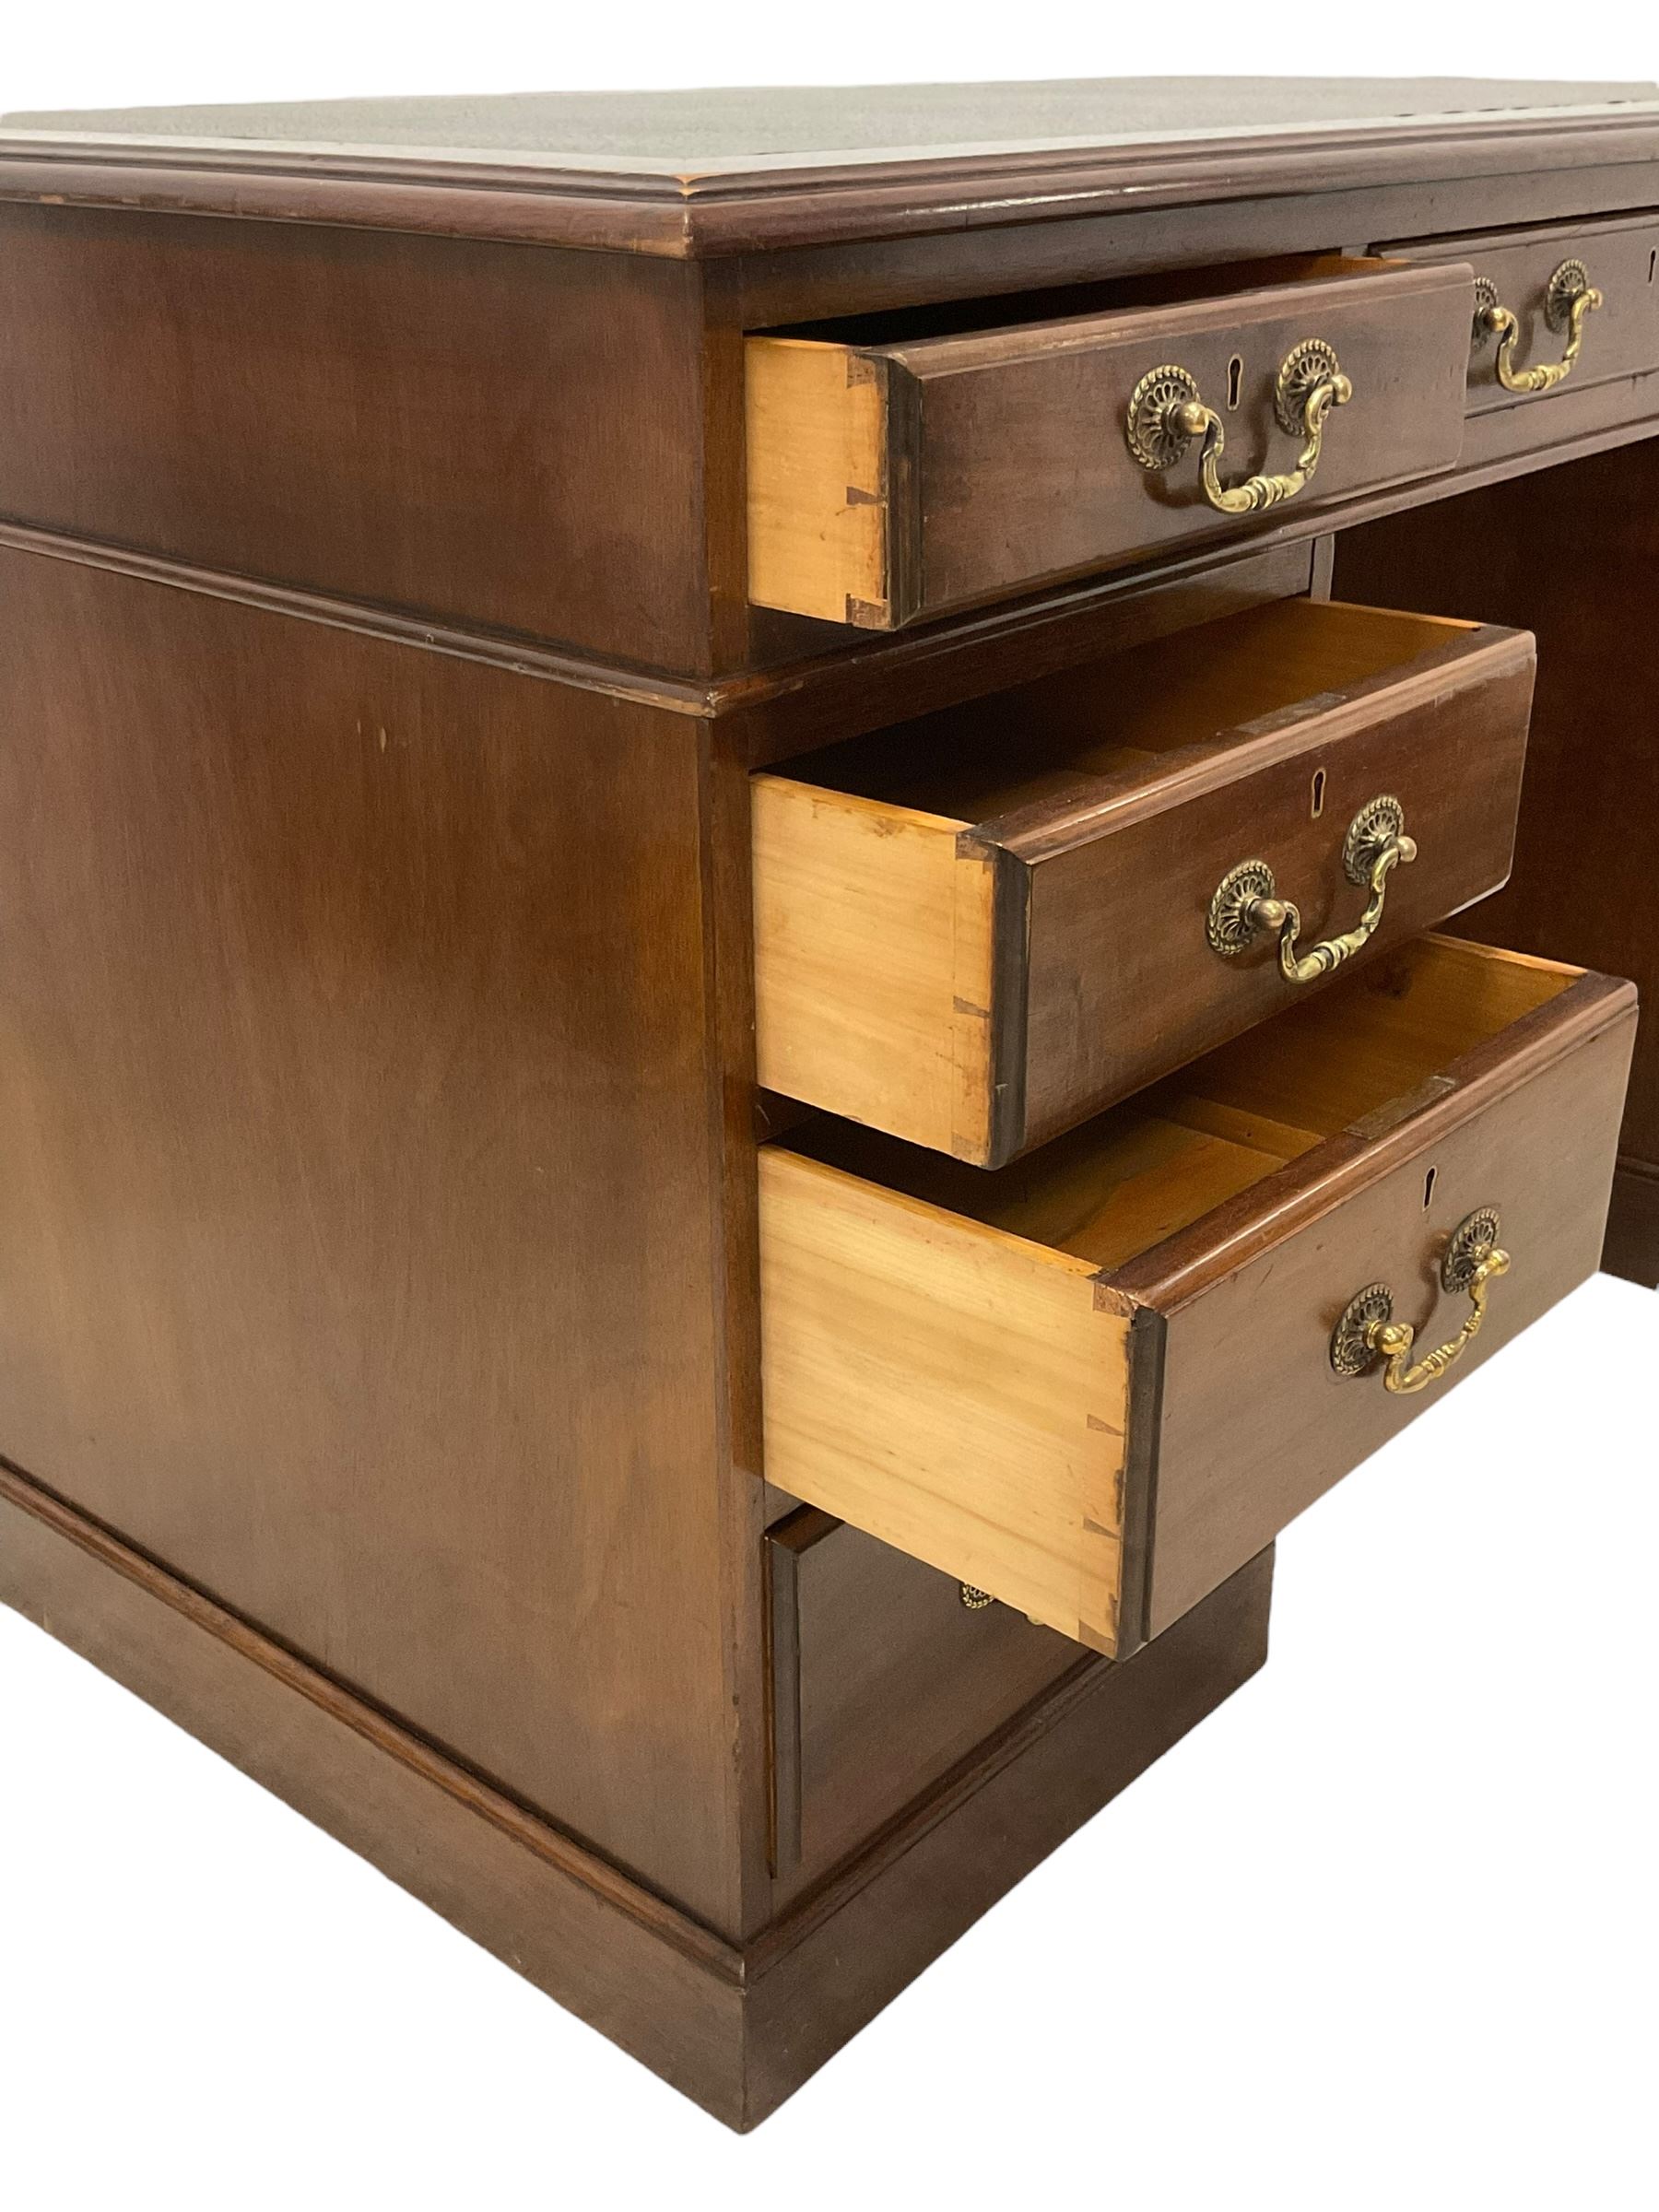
[1381, 1932]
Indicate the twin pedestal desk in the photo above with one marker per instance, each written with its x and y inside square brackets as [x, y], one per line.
[728, 1044]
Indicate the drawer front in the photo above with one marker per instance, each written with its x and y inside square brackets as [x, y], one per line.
[1255, 1421]
[898, 480]
[1534, 276]
[1098, 1381]
[979, 985]
[883, 1679]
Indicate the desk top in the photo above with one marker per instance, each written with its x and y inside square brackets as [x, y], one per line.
[712, 170]
[742, 128]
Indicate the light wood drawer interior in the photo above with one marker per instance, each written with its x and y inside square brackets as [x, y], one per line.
[1095, 1382]
[905, 465]
[976, 930]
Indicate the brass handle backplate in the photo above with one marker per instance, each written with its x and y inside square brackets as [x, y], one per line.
[1569, 298]
[1167, 413]
[1367, 1331]
[1247, 904]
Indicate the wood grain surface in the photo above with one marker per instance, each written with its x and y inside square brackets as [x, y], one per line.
[875, 964]
[1632, 1245]
[974, 930]
[1621, 337]
[850, 1947]
[1353, 133]
[883, 1680]
[1253, 1422]
[509, 436]
[816, 428]
[953, 1390]
[1336, 1146]
[1003, 460]
[381, 1231]
[735, 2027]
[356, 1244]
[1571, 545]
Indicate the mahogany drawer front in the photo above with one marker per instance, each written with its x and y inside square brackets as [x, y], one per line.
[977, 930]
[896, 480]
[1517, 269]
[1096, 1382]
[882, 1680]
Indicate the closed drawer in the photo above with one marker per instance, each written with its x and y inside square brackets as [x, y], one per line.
[975, 932]
[882, 1680]
[1096, 1382]
[1534, 276]
[892, 476]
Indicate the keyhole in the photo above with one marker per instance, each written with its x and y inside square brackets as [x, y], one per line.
[1235, 380]
[1429, 1188]
[1319, 782]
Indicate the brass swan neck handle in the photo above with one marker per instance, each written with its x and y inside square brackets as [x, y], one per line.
[1247, 905]
[1167, 412]
[1394, 1339]
[1367, 1331]
[1569, 298]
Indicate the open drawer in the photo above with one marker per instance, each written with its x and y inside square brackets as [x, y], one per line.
[1096, 1383]
[905, 465]
[977, 930]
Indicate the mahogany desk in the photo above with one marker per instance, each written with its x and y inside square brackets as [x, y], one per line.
[620, 716]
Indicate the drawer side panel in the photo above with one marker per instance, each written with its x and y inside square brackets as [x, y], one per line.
[873, 964]
[816, 432]
[949, 1389]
